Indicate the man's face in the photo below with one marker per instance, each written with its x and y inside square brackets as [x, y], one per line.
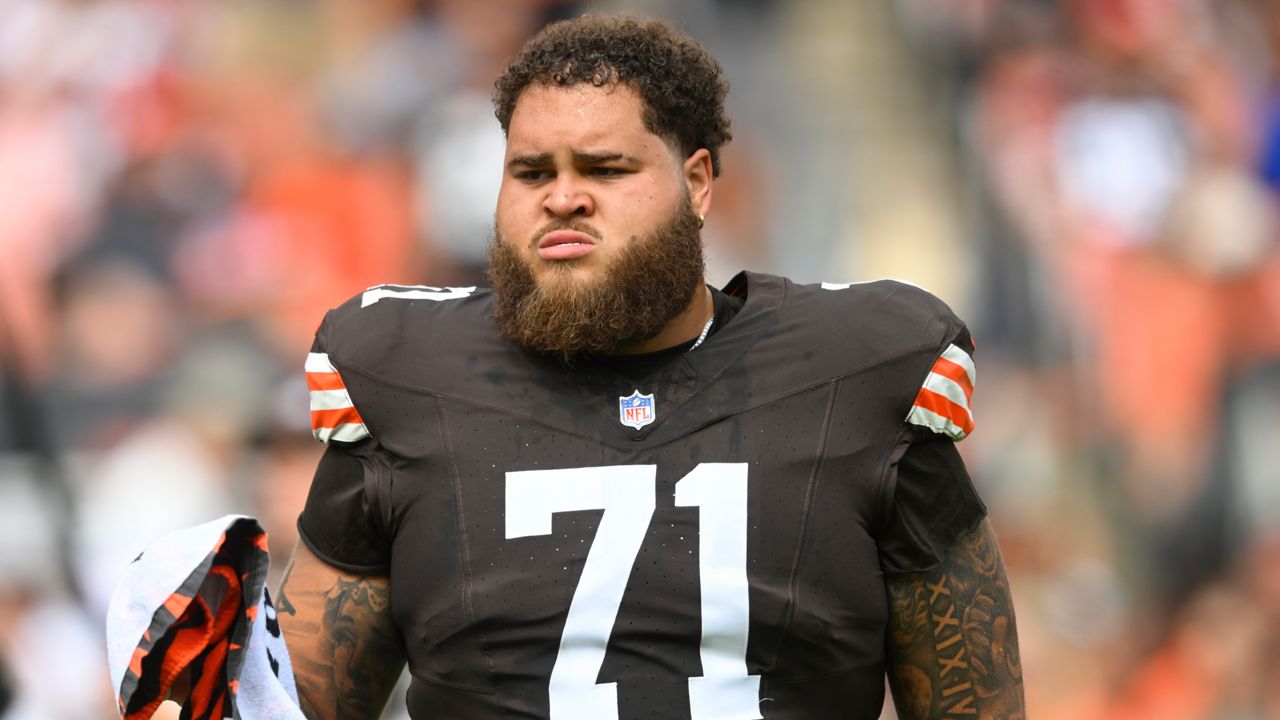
[596, 240]
[582, 177]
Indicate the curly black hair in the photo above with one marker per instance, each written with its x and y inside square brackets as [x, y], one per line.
[679, 82]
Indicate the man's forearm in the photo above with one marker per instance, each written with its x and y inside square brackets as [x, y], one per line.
[953, 642]
[344, 647]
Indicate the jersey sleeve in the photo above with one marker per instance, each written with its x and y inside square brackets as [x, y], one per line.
[343, 521]
[932, 503]
[931, 499]
[334, 417]
[944, 402]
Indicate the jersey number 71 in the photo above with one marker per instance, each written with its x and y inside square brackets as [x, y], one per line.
[626, 493]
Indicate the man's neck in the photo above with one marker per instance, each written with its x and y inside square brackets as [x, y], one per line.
[686, 326]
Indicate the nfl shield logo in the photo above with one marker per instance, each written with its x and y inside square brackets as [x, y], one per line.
[636, 410]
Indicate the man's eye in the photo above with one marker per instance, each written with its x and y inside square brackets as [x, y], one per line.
[606, 171]
[533, 175]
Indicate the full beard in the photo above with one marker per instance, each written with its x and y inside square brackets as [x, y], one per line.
[651, 281]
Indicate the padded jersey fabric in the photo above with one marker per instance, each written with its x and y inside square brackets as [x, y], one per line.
[783, 438]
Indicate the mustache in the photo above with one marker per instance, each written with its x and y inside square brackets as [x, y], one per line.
[574, 225]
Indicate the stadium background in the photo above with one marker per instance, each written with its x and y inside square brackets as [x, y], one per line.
[186, 186]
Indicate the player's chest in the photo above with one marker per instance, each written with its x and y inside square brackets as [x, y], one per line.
[556, 560]
[762, 484]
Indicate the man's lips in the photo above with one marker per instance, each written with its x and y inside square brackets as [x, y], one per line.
[565, 245]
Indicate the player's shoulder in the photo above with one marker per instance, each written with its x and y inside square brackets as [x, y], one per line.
[922, 349]
[874, 321]
[885, 294]
[373, 329]
[406, 336]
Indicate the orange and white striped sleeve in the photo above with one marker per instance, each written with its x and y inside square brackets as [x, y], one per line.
[333, 415]
[944, 403]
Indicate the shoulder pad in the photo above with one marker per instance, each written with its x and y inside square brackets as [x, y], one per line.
[369, 333]
[904, 319]
[943, 403]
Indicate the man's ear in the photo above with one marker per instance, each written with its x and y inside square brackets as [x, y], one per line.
[697, 178]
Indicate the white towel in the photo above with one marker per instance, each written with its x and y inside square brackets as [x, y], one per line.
[196, 601]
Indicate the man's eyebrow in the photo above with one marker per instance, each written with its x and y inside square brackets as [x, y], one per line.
[529, 160]
[590, 158]
[581, 158]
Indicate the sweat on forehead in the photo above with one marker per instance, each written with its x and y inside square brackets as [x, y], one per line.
[680, 85]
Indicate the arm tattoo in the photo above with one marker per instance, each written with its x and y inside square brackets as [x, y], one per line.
[350, 650]
[359, 637]
[952, 640]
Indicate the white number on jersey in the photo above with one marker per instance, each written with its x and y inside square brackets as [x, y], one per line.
[412, 292]
[626, 494]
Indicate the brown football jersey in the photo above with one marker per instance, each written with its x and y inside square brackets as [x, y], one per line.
[709, 542]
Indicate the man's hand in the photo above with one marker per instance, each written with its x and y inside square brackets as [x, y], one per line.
[952, 641]
[345, 649]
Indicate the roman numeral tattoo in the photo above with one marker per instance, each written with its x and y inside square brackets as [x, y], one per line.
[952, 641]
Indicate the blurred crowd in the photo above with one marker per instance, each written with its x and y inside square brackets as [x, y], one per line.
[1122, 163]
[187, 185]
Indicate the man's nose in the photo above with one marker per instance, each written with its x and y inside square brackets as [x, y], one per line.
[567, 198]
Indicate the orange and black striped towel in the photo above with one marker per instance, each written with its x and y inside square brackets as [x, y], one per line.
[195, 605]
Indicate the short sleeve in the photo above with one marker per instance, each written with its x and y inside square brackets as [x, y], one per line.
[334, 417]
[932, 503]
[944, 402]
[344, 520]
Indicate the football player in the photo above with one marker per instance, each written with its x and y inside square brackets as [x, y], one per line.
[603, 489]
